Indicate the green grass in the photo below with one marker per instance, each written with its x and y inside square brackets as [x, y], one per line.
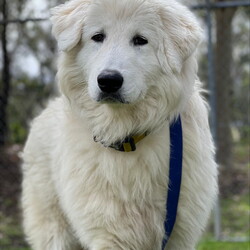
[235, 219]
[15, 248]
[224, 246]
[11, 234]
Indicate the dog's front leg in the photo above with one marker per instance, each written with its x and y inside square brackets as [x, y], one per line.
[100, 239]
[45, 225]
[106, 243]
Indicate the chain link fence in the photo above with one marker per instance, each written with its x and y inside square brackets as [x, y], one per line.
[27, 81]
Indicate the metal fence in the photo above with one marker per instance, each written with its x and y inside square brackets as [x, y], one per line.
[207, 11]
[209, 7]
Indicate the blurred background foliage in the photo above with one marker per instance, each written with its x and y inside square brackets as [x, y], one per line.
[31, 63]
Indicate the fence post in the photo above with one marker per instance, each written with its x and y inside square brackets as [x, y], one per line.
[212, 100]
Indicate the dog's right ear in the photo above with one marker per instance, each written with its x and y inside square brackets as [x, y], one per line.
[67, 23]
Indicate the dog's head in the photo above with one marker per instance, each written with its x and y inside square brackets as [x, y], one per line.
[135, 52]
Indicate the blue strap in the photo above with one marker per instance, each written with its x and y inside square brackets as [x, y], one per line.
[175, 173]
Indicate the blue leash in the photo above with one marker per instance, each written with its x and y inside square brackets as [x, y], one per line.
[175, 173]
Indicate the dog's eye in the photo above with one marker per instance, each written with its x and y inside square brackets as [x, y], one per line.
[139, 40]
[99, 38]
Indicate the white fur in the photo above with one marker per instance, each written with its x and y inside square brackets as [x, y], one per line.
[78, 194]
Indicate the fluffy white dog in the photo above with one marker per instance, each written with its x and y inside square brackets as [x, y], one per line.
[126, 68]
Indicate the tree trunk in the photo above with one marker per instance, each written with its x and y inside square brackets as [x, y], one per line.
[223, 77]
[5, 83]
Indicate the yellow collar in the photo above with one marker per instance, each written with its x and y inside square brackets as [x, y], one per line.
[128, 144]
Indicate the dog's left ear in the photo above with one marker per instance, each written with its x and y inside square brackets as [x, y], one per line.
[182, 34]
[67, 23]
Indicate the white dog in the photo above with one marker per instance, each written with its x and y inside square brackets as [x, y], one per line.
[126, 69]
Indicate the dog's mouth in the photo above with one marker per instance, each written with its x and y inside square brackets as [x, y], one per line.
[111, 98]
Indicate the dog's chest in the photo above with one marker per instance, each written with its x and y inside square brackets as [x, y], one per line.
[118, 191]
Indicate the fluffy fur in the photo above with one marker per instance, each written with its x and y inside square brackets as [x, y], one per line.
[78, 194]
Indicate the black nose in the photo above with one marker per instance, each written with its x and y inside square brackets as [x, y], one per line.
[110, 81]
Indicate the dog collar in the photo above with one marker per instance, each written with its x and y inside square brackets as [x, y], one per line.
[128, 144]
